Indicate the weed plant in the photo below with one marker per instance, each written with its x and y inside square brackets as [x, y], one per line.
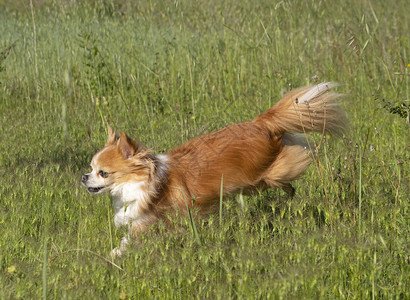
[168, 71]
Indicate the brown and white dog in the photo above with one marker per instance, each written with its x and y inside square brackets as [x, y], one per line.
[267, 152]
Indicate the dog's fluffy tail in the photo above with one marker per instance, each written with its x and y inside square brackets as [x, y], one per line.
[307, 109]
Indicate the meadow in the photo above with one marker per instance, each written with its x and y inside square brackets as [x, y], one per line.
[168, 71]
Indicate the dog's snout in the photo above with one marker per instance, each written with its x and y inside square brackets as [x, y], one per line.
[84, 178]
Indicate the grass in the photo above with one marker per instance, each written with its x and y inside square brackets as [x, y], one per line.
[168, 71]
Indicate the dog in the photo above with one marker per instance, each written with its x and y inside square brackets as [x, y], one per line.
[268, 152]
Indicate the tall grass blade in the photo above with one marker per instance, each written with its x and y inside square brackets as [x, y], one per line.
[191, 219]
[45, 267]
[360, 191]
[109, 226]
[220, 200]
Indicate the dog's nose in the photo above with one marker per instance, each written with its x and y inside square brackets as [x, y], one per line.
[84, 178]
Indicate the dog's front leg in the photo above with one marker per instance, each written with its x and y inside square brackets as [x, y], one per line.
[134, 234]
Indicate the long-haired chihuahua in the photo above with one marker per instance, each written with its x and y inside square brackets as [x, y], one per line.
[268, 152]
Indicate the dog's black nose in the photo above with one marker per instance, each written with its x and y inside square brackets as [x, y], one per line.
[84, 178]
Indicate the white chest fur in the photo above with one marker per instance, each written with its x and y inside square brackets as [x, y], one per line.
[130, 201]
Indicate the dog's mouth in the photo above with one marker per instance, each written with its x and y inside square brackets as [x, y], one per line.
[96, 190]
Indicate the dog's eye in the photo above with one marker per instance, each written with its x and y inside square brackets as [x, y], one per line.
[103, 174]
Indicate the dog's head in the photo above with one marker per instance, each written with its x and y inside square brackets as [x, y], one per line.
[122, 160]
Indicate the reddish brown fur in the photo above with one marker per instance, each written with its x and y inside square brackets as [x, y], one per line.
[241, 153]
[250, 155]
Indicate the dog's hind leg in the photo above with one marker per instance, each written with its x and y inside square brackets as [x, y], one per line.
[291, 162]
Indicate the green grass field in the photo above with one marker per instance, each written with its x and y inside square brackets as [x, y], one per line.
[165, 72]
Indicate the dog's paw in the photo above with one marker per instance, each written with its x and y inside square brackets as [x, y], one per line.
[116, 253]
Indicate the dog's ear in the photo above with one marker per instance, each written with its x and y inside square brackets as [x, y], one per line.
[111, 134]
[126, 146]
